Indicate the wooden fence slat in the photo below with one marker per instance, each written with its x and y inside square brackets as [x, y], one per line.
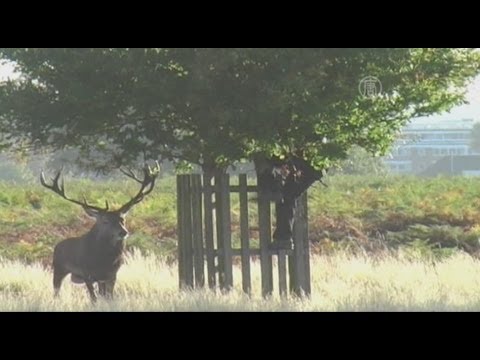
[237, 188]
[282, 273]
[299, 248]
[264, 223]
[292, 281]
[226, 231]
[197, 233]
[209, 243]
[180, 228]
[219, 231]
[233, 188]
[306, 244]
[188, 249]
[254, 252]
[244, 234]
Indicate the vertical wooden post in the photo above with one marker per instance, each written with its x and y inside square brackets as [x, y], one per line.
[181, 240]
[219, 232]
[306, 244]
[299, 269]
[209, 243]
[244, 234]
[187, 234]
[282, 273]
[196, 189]
[291, 273]
[265, 234]
[225, 224]
[185, 261]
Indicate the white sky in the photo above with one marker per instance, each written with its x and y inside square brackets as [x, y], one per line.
[471, 110]
[5, 71]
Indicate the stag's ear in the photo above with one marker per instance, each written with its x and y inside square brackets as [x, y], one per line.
[91, 212]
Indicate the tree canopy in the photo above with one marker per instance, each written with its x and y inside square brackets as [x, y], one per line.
[214, 107]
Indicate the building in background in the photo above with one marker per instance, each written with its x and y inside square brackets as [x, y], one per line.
[423, 143]
[454, 165]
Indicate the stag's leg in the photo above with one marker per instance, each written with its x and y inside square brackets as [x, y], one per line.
[58, 275]
[102, 287]
[91, 291]
[110, 285]
[105, 288]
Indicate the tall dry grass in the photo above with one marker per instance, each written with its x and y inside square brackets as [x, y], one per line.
[340, 282]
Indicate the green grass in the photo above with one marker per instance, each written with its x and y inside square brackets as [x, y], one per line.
[395, 211]
[352, 213]
[391, 281]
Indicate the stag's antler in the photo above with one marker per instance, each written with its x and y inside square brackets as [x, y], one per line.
[148, 182]
[59, 189]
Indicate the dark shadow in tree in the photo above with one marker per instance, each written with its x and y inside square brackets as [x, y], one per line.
[284, 181]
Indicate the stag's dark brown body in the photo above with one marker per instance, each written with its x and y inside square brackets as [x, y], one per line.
[89, 260]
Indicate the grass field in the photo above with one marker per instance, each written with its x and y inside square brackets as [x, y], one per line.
[352, 213]
[385, 282]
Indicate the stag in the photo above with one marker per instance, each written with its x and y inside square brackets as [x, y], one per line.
[96, 256]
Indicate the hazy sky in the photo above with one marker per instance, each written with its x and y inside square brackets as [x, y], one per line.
[471, 110]
[5, 70]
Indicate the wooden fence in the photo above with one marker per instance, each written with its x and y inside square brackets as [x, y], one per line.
[205, 238]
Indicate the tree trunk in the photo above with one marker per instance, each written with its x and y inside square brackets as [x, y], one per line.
[283, 181]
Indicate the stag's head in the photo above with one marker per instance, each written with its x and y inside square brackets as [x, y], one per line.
[110, 224]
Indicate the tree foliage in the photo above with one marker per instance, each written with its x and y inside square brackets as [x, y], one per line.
[214, 107]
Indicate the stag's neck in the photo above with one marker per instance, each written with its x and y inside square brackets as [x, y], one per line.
[100, 245]
[93, 236]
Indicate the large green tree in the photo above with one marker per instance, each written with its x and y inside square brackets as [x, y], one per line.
[287, 109]
[213, 107]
